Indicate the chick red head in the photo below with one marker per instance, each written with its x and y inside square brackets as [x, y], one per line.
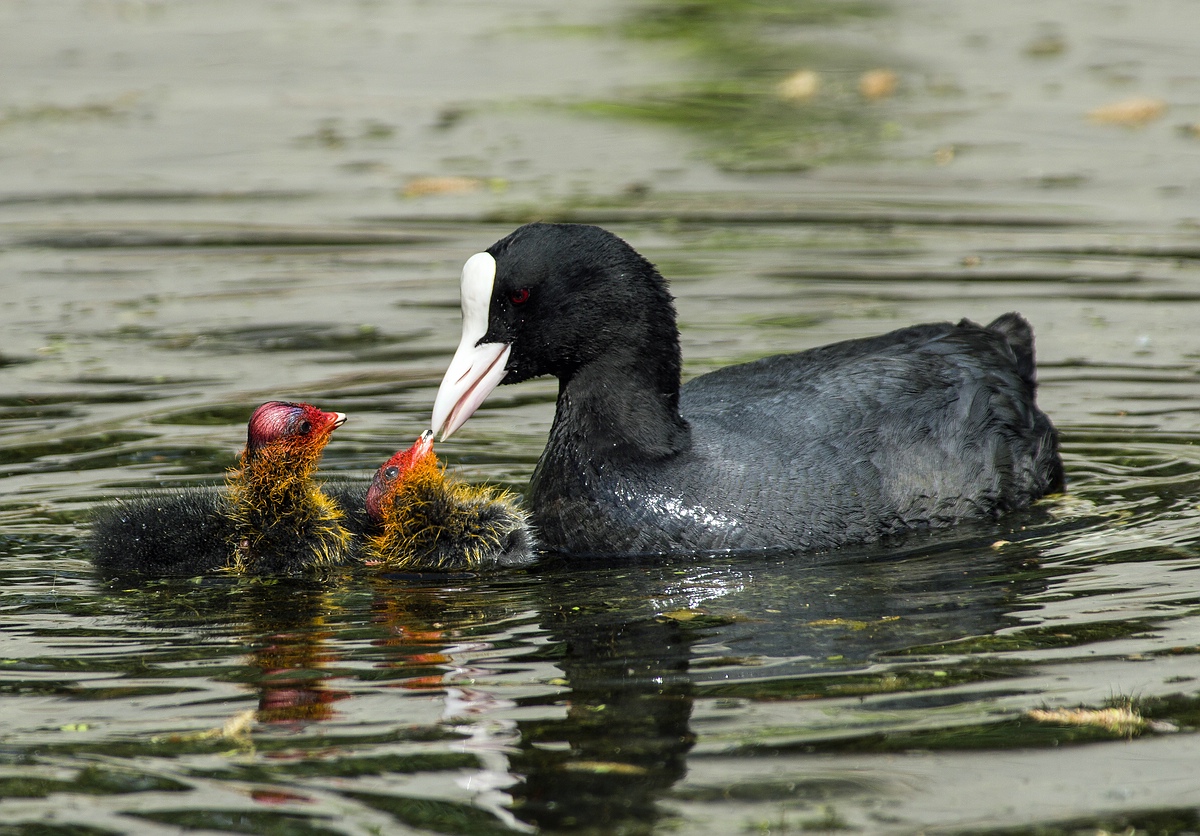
[299, 424]
[395, 469]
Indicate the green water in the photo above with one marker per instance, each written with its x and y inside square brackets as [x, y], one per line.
[207, 205]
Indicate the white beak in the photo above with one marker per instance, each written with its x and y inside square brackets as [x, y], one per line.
[477, 368]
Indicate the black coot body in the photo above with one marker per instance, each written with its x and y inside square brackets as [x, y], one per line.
[848, 443]
[350, 496]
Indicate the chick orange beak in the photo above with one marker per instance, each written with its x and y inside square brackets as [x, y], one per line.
[423, 446]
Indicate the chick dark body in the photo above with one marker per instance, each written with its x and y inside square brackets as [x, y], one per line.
[168, 533]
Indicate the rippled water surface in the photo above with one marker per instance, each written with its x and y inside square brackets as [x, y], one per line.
[206, 205]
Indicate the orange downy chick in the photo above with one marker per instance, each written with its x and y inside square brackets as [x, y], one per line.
[283, 522]
[430, 520]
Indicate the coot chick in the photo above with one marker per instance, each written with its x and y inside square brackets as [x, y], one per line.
[847, 443]
[272, 518]
[429, 520]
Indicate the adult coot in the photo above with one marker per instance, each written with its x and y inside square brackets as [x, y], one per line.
[272, 519]
[428, 520]
[847, 443]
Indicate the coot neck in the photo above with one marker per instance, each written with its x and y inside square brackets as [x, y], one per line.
[625, 404]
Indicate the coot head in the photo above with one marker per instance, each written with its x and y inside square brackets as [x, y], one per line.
[289, 426]
[557, 299]
[395, 470]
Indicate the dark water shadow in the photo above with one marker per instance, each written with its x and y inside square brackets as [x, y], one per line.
[641, 642]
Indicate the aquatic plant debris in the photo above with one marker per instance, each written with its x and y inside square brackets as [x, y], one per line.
[425, 186]
[1130, 113]
[800, 86]
[604, 767]
[1118, 720]
[236, 728]
[878, 84]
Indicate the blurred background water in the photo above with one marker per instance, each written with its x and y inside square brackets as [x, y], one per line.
[209, 204]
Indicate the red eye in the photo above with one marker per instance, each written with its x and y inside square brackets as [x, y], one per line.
[520, 296]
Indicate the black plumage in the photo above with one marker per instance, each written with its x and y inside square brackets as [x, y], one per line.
[847, 443]
[168, 533]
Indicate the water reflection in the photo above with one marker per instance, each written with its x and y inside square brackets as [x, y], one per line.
[636, 651]
[293, 655]
[624, 737]
[627, 652]
[285, 629]
[586, 697]
[439, 638]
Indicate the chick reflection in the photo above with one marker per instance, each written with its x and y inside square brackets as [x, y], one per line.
[415, 627]
[292, 653]
[435, 635]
